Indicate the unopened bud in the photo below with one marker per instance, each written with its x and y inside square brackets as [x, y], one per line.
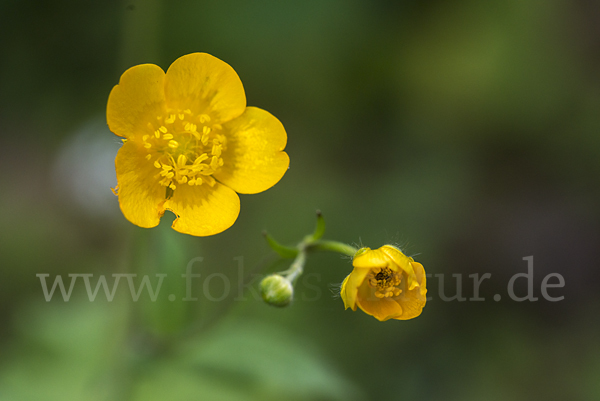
[276, 290]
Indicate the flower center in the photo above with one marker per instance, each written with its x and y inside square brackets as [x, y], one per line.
[185, 148]
[385, 282]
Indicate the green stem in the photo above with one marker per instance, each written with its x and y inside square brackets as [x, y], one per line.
[333, 246]
[297, 267]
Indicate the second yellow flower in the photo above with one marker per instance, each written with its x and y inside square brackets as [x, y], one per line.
[385, 284]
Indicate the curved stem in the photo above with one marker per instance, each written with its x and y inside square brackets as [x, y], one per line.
[297, 267]
[333, 246]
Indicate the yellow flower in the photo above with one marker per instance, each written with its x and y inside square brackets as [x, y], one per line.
[191, 144]
[385, 284]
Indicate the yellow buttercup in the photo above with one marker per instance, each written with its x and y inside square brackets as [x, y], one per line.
[191, 144]
[385, 284]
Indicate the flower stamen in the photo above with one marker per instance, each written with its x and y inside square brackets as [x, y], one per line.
[186, 152]
[385, 282]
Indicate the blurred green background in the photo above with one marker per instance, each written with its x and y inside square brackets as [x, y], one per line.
[466, 132]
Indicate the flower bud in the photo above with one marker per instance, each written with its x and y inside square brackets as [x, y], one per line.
[276, 290]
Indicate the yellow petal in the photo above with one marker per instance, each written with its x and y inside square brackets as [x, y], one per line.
[140, 195]
[254, 160]
[203, 210]
[344, 295]
[381, 308]
[420, 274]
[412, 305]
[403, 262]
[350, 287]
[371, 258]
[413, 301]
[204, 84]
[137, 100]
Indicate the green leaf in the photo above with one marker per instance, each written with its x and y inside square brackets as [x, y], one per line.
[283, 251]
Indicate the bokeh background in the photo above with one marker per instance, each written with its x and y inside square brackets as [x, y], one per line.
[466, 132]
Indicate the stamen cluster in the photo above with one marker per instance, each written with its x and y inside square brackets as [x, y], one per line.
[185, 148]
[385, 281]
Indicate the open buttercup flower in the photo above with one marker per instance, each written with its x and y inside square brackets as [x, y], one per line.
[385, 284]
[191, 144]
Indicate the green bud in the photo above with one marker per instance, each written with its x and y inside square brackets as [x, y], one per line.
[276, 290]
